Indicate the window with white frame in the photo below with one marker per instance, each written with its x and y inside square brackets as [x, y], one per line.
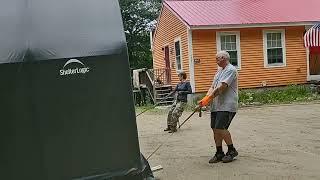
[177, 47]
[274, 48]
[230, 42]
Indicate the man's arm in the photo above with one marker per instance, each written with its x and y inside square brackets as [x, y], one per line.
[219, 90]
[187, 89]
[172, 92]
[212, 93]
[175, 89]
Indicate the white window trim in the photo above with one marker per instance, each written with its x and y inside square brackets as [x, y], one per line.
[191, 62]
[265, 51]
[237, 33]
[175, 58]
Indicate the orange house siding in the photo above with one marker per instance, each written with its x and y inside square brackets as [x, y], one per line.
[252, 72]
[204, 48]
[168, 29]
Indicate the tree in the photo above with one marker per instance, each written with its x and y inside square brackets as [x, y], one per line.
[139, 16]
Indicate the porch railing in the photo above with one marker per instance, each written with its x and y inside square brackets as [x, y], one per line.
[160, 77]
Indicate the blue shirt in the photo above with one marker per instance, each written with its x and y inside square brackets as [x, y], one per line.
[183, 89]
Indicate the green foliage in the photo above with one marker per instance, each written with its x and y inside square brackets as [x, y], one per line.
[138, 18]
[289, 94]
[150, 108]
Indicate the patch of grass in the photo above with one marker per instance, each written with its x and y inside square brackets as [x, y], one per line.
[279, 95]
[150, 108]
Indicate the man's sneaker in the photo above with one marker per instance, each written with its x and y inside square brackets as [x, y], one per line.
[167, 129]
[217, 158]
[230, 156]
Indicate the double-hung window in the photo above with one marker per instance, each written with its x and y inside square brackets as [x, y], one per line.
[274, 48]
[178, 54]
[230, 42]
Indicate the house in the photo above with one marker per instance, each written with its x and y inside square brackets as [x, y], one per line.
[265, 39]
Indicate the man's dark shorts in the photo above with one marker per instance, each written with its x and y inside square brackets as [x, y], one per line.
[221, 119]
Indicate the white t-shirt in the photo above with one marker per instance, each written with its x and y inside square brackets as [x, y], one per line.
[228, 100]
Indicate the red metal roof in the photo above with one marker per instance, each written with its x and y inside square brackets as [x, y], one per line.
[239, 12]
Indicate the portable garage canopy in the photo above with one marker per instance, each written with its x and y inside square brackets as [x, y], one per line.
[66, 99]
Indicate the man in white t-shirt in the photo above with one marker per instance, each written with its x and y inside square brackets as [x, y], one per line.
[224, 94]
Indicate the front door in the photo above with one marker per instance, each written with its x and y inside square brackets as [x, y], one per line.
[314, 63]
[167, 63]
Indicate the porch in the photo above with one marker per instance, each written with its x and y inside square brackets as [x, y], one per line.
[152, 85]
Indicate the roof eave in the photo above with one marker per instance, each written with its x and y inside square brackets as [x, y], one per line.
[236, 26]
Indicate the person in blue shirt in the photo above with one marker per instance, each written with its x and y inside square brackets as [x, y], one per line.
[182, 90]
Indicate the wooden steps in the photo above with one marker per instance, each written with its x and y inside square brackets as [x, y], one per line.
[161, 95]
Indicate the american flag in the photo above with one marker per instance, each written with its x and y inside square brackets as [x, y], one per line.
[312, 37]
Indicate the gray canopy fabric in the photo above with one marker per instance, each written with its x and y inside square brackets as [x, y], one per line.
[33, 30]
[66, 100]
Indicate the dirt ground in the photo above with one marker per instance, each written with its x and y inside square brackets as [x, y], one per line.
[274, 142]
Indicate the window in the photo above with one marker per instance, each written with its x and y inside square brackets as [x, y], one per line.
[230, 42]
[274, 48]
[177, 47]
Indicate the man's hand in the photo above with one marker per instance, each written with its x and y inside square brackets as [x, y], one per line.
[205, 101]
